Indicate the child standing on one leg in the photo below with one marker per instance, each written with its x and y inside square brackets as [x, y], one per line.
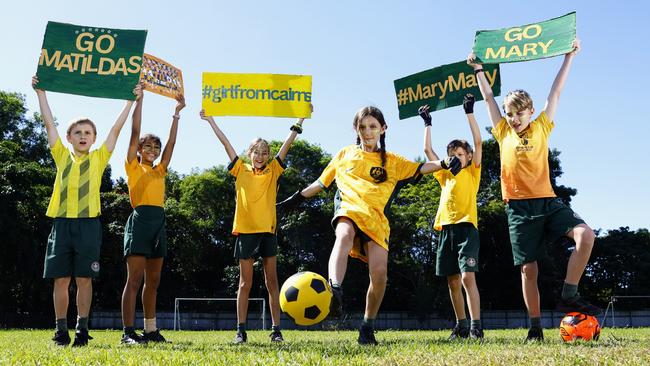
[368, 178]
[145, 240]
[74, 244]
[457, 222]
[535, 215]
[256, 186]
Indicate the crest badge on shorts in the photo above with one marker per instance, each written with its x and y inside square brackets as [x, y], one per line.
[470, 262]
[94, 266]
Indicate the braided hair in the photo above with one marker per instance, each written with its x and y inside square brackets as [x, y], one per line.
[371, 111]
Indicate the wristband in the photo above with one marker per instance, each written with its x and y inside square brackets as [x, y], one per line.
[477, 71]
[177, 116]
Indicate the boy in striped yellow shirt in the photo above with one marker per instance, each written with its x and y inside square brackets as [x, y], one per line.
[74, 243]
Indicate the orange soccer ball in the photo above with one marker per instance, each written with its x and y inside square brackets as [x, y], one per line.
[579, 326]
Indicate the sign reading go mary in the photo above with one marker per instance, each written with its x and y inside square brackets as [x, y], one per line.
[528, 42]
[273, 95]
[91, 61]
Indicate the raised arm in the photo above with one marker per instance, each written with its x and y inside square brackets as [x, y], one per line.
[468, 106]
[220, 135]
[423, 111]
[114, 133]
[295, 130]
[136, 124]
[46, 113]
[451, 163]
[486, 90]
[560, 79]
[171, 141]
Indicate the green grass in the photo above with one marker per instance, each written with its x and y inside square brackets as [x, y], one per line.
[413, 348]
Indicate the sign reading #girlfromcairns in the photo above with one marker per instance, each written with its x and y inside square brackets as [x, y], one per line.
[91, 61]
[528, 42]
[271, 95]
[442, 87]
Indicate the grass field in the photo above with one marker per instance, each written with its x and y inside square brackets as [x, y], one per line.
[414, 348]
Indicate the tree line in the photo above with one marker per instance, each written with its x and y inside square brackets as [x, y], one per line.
[200, 207]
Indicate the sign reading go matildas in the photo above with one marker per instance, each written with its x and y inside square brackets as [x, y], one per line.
[527, 42]
[91, 61]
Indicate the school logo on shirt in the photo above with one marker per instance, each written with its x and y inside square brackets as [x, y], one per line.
[523, 142]
[378, 174]
[94, 266]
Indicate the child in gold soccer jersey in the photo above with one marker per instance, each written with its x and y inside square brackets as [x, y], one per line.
[76, 237]
[535, 215]
[368, 178]
[457, 222]
[256, 186]
[145, 240]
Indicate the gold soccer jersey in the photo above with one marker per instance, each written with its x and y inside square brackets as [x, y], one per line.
[458, 196]
[524, 159]
[362, 199]
[146, 184]
[76, 187]
[256, 195]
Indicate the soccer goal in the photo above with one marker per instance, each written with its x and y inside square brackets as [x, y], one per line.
[612, 303]
[178, 300]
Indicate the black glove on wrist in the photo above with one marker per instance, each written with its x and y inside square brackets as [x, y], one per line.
[426, 116]
[452, 164]
[296, 127]
[292, 202]
[468, 103]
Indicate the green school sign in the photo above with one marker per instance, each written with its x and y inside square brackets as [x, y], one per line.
[442, 87]
[91, 61]
[528, 42]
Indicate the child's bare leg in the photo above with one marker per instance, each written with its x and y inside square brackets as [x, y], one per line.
[473, 297]
[338, 261]
[84, 296]
[584, 238]
[60, 297]
[456, 296]
[378, 270]
[245, 283]
[271, 281]
[530, 289]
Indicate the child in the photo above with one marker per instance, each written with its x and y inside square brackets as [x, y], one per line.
[76, 237]
[535, 216]
[367, 177]
[255, 220]
[457, 221]
[145, 240]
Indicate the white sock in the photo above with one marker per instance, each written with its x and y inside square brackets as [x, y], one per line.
[150, 325]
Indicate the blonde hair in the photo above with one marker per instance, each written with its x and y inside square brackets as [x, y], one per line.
[81, 121]
[517, 100]
[257, 143]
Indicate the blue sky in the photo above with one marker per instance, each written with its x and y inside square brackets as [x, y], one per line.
[354, 50]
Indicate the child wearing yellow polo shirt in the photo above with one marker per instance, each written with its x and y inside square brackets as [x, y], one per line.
[536, 216]
[256, 186]
[457, 222]
[74, 243]
[368, 178]
[145, 240]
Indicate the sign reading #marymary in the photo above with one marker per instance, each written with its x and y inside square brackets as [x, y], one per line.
[91, 61]
[527, 42]
[442, 87]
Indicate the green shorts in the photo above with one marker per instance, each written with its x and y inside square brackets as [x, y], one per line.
[73, 248]
[144, 232]
[536, 222]
[250, 246]
[458, 249]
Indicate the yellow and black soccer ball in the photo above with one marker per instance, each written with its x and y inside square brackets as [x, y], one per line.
[305, 297]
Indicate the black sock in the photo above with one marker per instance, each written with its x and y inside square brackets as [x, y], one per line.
[241, 328]
[129, 330]
[569, 291]
[62, 325]
[275, 328]
[536, 322]
[476, 324]
[82, 323]
[463, 323]
[366, 322]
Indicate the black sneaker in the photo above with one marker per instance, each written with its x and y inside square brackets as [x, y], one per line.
[458, 333]
[476, 333]
[276, 336]
[367, 336]
[132, 338]
[578, 304]
[336, 306]
[535, 334]
[61, 338]
[154, 336]
[241, 337]
[81, 338]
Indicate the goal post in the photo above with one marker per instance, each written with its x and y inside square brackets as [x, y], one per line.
[611, 306]
[177, 301]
